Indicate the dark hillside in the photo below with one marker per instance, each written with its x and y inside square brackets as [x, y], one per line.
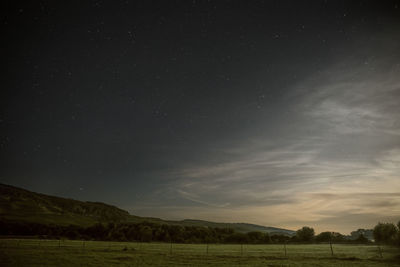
[17, 204]
[20, 205]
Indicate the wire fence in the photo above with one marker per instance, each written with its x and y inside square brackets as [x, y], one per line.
[277, 250]
[42, 252]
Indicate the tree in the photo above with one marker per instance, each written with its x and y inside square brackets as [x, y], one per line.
[361, 239]
[398, 233]
[385, 233]
[267, 238]
[97, 231]
[279, 238]
[337, 237]
[324, 237]
[176, 233]
[255, 237]
[240, 238]
[117, 234]
[305, 234]
[367, 233]
[145, 233]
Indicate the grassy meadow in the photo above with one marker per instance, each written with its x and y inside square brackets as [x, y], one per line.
[35, 252]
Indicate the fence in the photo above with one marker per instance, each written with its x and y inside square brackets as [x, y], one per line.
[275, 250]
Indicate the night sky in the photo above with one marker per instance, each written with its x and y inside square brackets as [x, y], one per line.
[280, 113]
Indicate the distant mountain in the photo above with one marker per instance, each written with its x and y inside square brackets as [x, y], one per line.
[21, 205]
[239, 227]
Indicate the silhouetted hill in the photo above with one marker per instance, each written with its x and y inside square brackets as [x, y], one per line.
[239, 227]
[21, 205]
[17, 204]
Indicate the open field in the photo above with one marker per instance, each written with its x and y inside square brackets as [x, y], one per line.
[35, 252]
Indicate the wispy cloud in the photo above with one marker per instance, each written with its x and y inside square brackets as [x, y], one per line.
[195, 198]
[339, 158]
[367, 105]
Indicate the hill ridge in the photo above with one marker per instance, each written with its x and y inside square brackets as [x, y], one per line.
[18, 204]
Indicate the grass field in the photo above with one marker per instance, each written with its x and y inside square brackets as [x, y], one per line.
[34, 252]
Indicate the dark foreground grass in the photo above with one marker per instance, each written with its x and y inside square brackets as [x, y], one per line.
[35, 252]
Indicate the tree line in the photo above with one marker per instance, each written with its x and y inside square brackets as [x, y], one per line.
[383, 233]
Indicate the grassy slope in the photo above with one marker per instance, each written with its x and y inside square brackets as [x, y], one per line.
[17, 204]
[79, 253]
[21, 205]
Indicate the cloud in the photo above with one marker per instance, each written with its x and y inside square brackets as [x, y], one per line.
[335, 162]
[370, 108]
[196, 199]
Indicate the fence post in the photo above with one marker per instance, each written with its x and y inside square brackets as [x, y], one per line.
[207, 249]
[380, 250]
[284, 245]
